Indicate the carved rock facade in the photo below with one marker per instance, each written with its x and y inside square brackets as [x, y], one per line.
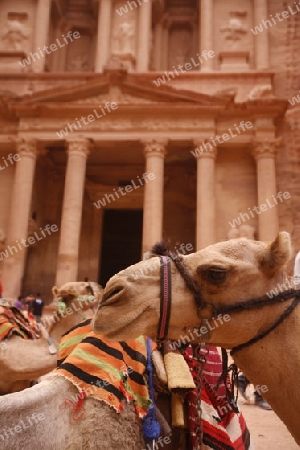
[58, 93]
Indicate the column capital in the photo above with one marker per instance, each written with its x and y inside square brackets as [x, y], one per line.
[27, 147]
[79, 146]
[265, 148]
[155, 147]
[204, 149]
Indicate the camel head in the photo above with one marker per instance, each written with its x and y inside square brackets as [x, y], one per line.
[226, 273]
[86, 294]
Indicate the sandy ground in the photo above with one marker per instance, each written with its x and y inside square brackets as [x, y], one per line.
[267, 430]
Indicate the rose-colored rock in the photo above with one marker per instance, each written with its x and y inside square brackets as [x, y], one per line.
[104, 54]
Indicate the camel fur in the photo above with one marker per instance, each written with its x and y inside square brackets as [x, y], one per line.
[53, 421]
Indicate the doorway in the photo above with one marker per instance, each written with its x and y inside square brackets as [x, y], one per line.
[121, 241]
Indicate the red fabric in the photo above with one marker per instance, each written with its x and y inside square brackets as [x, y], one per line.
[13, 321]
[218, 412]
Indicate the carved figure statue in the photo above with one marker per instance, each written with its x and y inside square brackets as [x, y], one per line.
[124, 35]
[15, 34]
[234, 29]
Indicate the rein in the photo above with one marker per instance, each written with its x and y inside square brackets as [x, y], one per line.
[257, 303]
[263, 334]
[165, 297]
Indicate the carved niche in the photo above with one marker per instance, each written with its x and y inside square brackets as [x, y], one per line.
[15, 33]
[123, 40]
[180, 45]
[234, 30]
[78, 57]
[235, 39]
[179, 36]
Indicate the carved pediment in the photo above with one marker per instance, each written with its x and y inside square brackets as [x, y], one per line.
[115, 94]
[120, 87]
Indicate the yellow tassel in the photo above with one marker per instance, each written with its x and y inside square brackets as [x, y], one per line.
[177, 411]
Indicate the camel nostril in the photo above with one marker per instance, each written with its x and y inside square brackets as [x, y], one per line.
[111, 293]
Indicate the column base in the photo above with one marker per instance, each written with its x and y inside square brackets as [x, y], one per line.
[9, 61]
[126, 59]
[234, 61]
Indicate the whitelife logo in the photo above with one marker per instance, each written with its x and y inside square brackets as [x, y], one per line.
[294, 100]
[267, 23]
[11, 158]
[53, 47]
[259, 209]
[206, 145]
[11, 250]
[128, 188]
[184, 68]
[90, 118]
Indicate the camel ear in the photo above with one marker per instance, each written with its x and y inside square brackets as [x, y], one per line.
[278, 253]
[55, 291]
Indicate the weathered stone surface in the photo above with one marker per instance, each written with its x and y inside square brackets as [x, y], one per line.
[119, 57]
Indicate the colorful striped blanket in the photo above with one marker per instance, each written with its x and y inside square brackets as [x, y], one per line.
[12, 321]
[106, 370]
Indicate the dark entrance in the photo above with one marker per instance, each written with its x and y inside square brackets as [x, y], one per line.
[121, 241]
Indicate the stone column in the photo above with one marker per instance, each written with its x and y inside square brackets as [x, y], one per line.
[264, 152]
[159, 47]
[103, 36]
[153, 193]
[42, 21]
[206, 8]
[13, 265]
[261, 41]
[67, 261]
[144, 37]
[206, 201]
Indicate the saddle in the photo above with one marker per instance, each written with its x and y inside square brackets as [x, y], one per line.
[115, 372]
[13, 322]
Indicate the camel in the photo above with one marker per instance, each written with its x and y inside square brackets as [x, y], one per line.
[227, 273]
[39, 418]
[44, 417]
[22, 361]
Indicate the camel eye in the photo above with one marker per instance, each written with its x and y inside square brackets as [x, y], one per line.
[215, 275]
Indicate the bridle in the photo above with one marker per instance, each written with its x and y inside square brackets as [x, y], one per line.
[164, 254]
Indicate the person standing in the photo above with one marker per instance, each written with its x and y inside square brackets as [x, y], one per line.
[20, 302]
[36, 308]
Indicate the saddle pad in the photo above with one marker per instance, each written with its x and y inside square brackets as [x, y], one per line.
[12, 321]
[71, 339]
[103, 369]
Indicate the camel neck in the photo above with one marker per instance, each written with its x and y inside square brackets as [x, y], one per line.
[65, 323]
[274, 362]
